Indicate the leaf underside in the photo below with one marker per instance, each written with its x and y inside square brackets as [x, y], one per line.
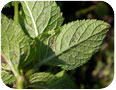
[45, 80]
[75, 43]
[16, 47]
[7, 77]
[41, 16]
[6, 74]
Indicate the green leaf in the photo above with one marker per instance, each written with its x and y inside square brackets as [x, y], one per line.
[5, 66]
[64, 81]
[41, 16]
[17, 48]
[47, 80]
[41, 77]
[7, 77]
[75, 43]
[60, 74]
[6, 74]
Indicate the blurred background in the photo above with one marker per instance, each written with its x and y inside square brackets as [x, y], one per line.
[99, 71]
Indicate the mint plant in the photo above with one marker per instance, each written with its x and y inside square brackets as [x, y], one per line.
[37, 37]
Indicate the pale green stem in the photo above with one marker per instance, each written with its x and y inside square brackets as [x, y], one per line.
[19, 77]
[16, 12]
[20, 82]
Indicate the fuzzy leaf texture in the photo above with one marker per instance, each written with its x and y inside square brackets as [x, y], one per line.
[45, 80]
[5, 66]
[7, 75]
[41, 16]
[75, 43]
[16, 47]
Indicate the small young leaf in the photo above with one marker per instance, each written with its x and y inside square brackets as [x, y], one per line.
[60, 74]
[47, 80]
[76, 43]
[6, 74]
[7, 77]
[64, 81]
[41, 77]
[41, 16]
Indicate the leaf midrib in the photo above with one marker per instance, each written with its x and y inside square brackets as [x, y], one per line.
[59, 53]
[81, 42]
[31, 15]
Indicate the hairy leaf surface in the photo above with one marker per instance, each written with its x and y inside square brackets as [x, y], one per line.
[41, 16]
[41, 77]
[47, 80]
[16, 47]
[76, 43]
[5, 66]
[7, 77]
[6, 73]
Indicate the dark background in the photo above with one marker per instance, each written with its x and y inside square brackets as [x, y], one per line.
[99, 71]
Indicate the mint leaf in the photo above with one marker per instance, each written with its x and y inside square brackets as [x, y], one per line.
[45, 80]
[64, 81]
[41, 16]
[76, 42]
[6, 73]
[60, 74]
[7, 77]
[5, 66]
[41, 77]
[17, 48]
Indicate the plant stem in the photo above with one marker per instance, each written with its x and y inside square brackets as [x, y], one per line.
[16, 12]
[20, 82]
[19, 78]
